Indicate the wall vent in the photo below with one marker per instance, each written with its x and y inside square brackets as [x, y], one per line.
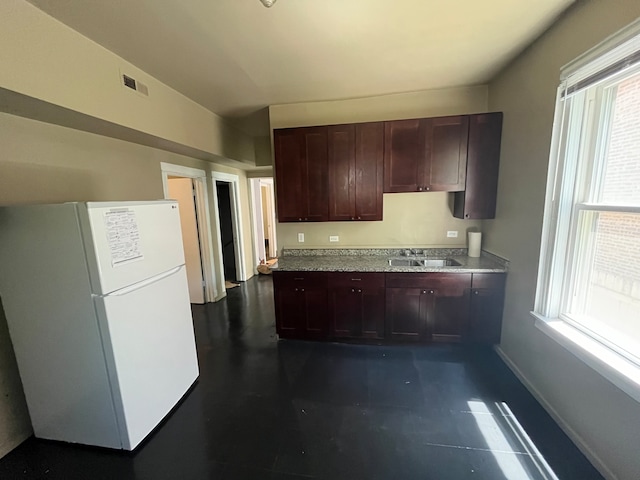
[133, 84]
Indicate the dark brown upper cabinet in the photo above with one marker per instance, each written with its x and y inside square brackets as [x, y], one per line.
[446, 153]
[355, 171]
[478, 200]
[428, 154]
[301, 161]
[402, 155]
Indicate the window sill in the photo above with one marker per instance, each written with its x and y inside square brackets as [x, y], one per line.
[618, 370]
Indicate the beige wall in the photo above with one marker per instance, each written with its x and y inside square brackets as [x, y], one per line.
[43, 163]
[602, 419]
[44, 59]
[409, 219]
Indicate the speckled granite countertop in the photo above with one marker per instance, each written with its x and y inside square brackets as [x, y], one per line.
[377, 260]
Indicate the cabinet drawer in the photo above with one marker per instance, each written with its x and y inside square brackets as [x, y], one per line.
[449, 283]
[356, 279]
[300, 279]
[488, 280]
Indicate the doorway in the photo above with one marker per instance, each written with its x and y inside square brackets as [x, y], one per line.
[227, 240]
[230, 247]
[188, 186]
[264, 220]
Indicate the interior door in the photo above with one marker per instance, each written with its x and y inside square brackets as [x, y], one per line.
[181, 189]
[226, 231]
[150, 351]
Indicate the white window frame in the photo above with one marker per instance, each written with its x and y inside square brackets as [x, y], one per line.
[565, 202]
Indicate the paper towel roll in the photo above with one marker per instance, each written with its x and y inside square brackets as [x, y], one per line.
[475, 240]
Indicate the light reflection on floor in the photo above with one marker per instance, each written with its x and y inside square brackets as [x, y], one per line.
[509, 442]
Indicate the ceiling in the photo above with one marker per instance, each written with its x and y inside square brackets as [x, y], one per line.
[235, 57]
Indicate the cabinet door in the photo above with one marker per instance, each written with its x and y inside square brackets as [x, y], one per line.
[288, 305]
[301, 304]
[315, 312]
[346, 311]
[289, 174]
[369, 170]
[356, 302]
[478, 201]
[301, 174]
[448, 320]
[342, 167]
[357, 312]
[445, 143]
[403, 155]
[301, 312]
[372, 318]
[315, 196]
[487, 299]
[406, 313]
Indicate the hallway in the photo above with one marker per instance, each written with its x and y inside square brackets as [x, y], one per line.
[264, 409]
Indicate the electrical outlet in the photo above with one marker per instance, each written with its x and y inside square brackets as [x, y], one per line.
[301, 238]
[452, 233]
[334, 238]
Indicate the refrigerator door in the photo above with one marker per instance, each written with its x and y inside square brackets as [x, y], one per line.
[129, 242]
[150, 351]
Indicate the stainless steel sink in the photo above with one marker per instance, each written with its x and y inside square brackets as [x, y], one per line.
[405, 262]
[440, 262]
[423, 262]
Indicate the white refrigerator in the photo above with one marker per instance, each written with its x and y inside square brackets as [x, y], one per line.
[96, 300]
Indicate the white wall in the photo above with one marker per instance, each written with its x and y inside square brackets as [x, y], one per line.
[409, 219]
[603, 420]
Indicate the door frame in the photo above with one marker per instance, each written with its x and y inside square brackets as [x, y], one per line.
[273, 238]
[199, 178]
[236, 222]
[255, 187]
[257, 235]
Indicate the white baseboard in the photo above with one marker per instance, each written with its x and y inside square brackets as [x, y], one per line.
[566, 428]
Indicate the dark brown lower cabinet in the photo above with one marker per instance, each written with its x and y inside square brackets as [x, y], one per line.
[356, 305]
[412, 307]
[406, 314]
[301, 304]
[430, 307]
[485, 312]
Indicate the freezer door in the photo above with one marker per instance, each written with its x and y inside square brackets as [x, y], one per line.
[130, 242]
[150, 351]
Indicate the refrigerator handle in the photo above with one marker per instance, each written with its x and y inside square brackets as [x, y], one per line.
[143, 283]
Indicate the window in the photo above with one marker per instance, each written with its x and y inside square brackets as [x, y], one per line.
[589, 275]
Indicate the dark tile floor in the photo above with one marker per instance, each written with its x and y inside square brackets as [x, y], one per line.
[264, 409]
